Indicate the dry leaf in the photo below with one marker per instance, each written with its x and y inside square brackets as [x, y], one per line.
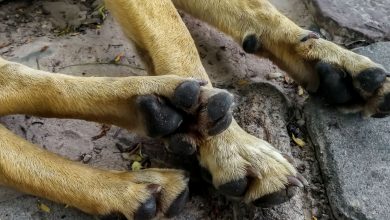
[119, 57]
[44, 48]
[44, 207]
[314, 218]
[102, 12]
[242, 82]
[298, 141]
[136, 166]
[103, 132]
[288, 80]
[300, 91]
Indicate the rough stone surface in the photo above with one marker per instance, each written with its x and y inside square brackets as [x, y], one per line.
[378, 52]
[354, 154]
[354, 19]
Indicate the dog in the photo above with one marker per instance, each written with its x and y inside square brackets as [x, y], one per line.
[178, 104]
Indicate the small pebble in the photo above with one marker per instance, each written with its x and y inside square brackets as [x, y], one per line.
[315, 211]
[274, 75]
[301, 122]
[97, 150]
[87, 158]
[125, 156]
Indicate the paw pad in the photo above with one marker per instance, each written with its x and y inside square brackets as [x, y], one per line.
[385, 106]
[335, 85]
[186, 95]
[160, 119]
[235, 188]
[251, 44]
[147, 210]
[371, 79]
[183, 144]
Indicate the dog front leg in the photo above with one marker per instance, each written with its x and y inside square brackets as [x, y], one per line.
[346, 79]
[35, 171]
[148, 105]
[238, 164]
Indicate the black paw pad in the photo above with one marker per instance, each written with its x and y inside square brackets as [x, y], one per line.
[147, 210]
[380, 115]
[219, 105]
[385, 106]
[236, 188]
[178, 205]
[181, 144]
[114, 216]
[187, 95]
[160, 118]
[272, 199]
[335, 85]
[206, 175]
[221, 125]
[371, 79]
[251, 44]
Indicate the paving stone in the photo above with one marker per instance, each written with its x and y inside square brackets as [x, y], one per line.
[378, 52]
[354, 19]
[354, 154]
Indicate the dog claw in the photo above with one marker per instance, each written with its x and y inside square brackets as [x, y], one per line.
[302, 179]
[311, 35]
[288, 158]
[272, 199]
[178, 205]
[294, 181]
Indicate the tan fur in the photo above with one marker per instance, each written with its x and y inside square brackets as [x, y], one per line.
[156, 27]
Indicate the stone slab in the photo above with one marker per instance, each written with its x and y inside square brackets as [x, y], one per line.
[354, 19]
[354, 154]
[378, 52]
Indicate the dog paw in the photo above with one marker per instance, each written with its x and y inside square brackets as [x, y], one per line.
[191, 113]
[367, 91]
[145, 194]
[246, 168]
[346, 79]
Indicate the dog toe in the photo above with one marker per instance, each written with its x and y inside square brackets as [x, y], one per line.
[183, 144]
[235, 188]
[178, 204]
[160, 118]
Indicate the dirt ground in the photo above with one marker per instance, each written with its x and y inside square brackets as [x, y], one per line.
[89, 42]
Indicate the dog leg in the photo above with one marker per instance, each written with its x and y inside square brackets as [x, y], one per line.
[344, 78]
[136, 195]
[152, 106]
[240, 164]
